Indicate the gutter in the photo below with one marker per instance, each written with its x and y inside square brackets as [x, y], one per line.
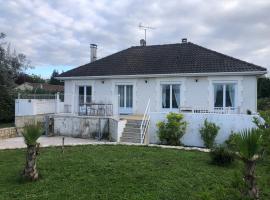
[259, 73]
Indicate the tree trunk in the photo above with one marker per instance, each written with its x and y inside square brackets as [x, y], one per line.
[250, 179]
[30, 171]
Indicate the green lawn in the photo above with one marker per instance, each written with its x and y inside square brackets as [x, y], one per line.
[121, 172]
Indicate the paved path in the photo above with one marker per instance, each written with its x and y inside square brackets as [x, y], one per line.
[18, 143]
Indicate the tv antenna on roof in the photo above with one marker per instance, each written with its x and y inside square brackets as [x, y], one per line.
[145, 28]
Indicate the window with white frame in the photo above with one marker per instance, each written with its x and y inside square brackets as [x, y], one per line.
[170, 94]
[224, 95]
[85, 94]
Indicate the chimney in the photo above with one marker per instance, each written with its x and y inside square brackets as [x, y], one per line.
[184, 40]
[93, 56]
[142, 42]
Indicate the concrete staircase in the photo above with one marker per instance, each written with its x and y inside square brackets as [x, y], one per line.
[132, 131]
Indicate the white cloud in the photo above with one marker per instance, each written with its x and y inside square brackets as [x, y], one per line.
[57, 32]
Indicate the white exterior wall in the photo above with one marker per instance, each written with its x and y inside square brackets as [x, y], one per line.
[200, 89]
[194, 92]
[228, 123]
[249, 94]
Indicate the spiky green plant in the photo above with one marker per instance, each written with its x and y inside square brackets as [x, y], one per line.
[31, 133]
[249, 150]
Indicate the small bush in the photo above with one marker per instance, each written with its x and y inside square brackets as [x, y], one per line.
[208, 133]
[265, 127]
[221, 155]
[170, 132]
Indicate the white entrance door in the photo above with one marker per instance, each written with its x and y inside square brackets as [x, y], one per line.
[125, 95]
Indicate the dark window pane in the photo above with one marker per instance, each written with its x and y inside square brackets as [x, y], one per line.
[165, 96]
[175, 96]
[88, 94]
[230, 95]
[218, 95]
[121, 95]
[129, 96]
[81, 94]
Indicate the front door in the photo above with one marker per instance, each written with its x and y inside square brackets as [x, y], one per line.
[125, 95]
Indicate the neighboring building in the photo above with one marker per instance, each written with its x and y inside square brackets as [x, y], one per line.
[43, 86]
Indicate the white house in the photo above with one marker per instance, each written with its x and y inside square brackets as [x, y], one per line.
[183, 77]
[173, 76]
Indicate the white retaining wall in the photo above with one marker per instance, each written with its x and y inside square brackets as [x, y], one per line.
[26, 107]
[116, 128]
[228, 123]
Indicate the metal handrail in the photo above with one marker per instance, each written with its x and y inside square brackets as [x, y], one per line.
[145, 122]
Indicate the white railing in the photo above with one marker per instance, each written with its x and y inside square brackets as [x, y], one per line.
[36, 96]
[145, 122]
[217, 110]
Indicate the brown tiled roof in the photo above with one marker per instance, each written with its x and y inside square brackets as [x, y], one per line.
[47, 87]
[163, 59]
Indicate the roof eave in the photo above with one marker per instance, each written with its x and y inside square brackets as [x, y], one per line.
[165, 75]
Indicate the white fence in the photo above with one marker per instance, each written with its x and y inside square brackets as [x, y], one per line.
[24, 107]
[228, 123]
[35, 104]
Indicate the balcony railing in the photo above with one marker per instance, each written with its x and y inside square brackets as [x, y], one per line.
[95, 109]
[217, 110]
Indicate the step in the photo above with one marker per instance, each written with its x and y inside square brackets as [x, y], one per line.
[134, 122]
[134, 135]
[130, 139]
[132, 129]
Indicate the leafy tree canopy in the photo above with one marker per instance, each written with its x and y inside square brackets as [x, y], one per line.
[11, 64]
[53, 79]
[264, 88]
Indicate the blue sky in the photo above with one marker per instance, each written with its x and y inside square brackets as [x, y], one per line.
[55, 34]
[46, 71]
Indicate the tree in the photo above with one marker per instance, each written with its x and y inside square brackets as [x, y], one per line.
[23, 77]
[31, 133]
[263, 88]
[11, 64]
[249, 150]
[53, 80]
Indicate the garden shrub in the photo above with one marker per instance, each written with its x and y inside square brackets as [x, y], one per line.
[208, 133]
[231, 142]
[263, 104]
[221, 155]
[171, 131]
[265, 127]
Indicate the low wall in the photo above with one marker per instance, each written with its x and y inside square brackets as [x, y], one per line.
[116, 129]
[228, 123]
[20, 121]
[80, 126]
[8, 132]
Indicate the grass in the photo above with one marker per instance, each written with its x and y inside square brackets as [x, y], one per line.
[122, 172]
[6, 125]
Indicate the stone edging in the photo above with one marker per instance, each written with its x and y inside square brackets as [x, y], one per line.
[137, 144]
[8, 132]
